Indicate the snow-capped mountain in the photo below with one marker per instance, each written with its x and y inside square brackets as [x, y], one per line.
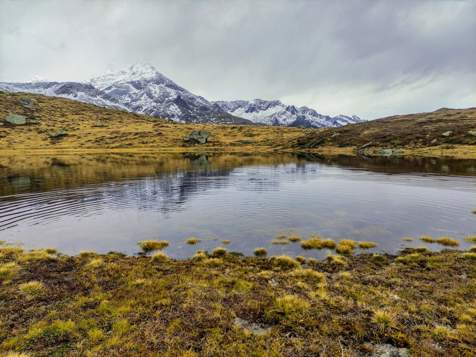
[142, 89]
[274, 112]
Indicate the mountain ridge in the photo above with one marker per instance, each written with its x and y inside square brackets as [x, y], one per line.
[142, 89]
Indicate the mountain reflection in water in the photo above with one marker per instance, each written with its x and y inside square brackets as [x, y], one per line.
[110, 202]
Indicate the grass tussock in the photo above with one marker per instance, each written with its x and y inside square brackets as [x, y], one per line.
[260, 252]
[32, 289]
[294, 238]
[317, 242]
[346, 247]
[8, 270]
[447, 242]
[285, 262]
[159, 257]
[239, 306]
[219, 252]
[367, 245]
[199, 255]
[150, 245]
[427, 239]
[192, 240]
[308, 274]
[288, 306]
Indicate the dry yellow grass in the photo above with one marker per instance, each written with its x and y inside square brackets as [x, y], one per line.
[122, 131]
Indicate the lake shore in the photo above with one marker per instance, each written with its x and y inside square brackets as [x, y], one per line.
[222, 304]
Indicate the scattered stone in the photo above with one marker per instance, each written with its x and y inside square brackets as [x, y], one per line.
[386, 350]
[255, 329]
[434, 141]
[447, 133]
[15, 119]
[99, 124]
[389, 152]
[27, 103]
[472, 132]
[57, 134]
[198, 137]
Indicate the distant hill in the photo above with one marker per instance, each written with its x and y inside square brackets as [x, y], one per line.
[441, 127]
[144, 90]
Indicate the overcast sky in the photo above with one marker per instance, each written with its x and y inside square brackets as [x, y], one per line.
[369, 58]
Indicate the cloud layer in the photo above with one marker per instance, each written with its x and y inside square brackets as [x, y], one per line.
[370, 58]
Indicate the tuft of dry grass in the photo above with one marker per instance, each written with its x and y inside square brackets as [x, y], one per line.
[367, 245]
[260, 252]
[8, 270]
[159, 257]
[150, 245]
[32, 289]
[294, 238]
[219, 252]
[192, 240]
[308, 274]
[470, 239]
[285, 262]
[427, 239]
[317, 242]
[447, 241]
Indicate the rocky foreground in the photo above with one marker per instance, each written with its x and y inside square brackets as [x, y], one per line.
[221, 304]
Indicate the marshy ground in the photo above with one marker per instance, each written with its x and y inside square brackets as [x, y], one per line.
[223, 304]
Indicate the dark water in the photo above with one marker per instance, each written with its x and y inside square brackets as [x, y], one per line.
[108, 203]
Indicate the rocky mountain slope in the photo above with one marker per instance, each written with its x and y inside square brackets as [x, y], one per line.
[274, 112]
[142, 89]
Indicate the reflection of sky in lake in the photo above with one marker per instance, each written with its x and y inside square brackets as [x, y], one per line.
[248, 205]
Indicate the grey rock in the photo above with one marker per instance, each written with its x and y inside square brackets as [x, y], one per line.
[198, 137]
[447, 133]
[27, 103]
[386, 350]
[57, 134]
[15, 119]
[434, 141]
[472, 132]
[255, 329]
[389, 152]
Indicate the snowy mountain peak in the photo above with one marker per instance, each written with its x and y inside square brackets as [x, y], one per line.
[274, 112]
[136, 72]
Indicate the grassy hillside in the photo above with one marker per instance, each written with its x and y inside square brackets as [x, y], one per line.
[91, 127]
[63, 125]
[443, 129]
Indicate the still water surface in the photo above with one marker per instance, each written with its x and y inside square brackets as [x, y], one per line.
[108, 203]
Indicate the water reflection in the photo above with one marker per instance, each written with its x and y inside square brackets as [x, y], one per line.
[110, 202]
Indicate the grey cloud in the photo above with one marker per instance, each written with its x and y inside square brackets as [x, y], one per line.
[370, 58]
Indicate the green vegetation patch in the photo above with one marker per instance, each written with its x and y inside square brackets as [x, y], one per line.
[221, 304]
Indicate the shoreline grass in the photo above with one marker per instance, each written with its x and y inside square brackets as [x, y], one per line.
[223, 304]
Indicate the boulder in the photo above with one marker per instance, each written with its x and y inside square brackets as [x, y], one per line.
[197, 137]
[27, 103]
[55, 135]
[472, 132]
[447, 133]
[15, 119]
